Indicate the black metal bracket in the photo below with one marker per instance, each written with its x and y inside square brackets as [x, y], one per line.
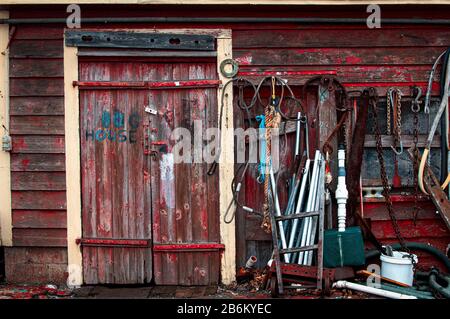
[139, 40]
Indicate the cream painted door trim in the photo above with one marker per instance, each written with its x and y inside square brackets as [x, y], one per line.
[73, 165]
[5, 160]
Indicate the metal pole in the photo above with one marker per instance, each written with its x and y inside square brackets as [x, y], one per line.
[310, 204]
[301, 197]
[277, 208]
[106, 20]
[317, 204]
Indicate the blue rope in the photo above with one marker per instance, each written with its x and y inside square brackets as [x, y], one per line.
[262, 149]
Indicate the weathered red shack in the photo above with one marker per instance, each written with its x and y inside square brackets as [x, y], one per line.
[98, 206]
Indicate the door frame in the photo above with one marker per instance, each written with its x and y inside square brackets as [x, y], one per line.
[73, 155]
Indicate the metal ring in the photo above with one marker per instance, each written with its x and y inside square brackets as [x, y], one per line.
[415, 107]
[303, 119]
[234, 69]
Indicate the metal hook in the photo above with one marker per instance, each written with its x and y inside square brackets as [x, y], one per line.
[401, 149]
[415, 105]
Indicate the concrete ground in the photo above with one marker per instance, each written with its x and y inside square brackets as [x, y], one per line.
[9, 291]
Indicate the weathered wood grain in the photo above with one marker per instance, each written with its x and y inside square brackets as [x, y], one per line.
[37, 125]
[29, 237]
[38, 144]
[38, 162]
[36, 105]
[36, 49]
[37, 87]
[39, 219]
[38, 200]
[21, 68]
[342, 56]
[38, 181]
[39, 32]
[341, 37]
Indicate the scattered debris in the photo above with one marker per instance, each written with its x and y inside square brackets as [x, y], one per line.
[9, 291]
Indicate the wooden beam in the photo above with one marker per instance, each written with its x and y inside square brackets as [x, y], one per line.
[5, 163]
[73, 167]
[226, 166]
[139, 40]
[229, 2]
[408, 141]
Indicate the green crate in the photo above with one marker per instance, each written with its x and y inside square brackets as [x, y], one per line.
[343, 248]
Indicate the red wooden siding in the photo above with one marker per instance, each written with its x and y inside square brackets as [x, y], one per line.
[359, 57]
[37, 130]
[400, 55]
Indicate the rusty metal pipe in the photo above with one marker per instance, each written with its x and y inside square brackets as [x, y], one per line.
[106, 20]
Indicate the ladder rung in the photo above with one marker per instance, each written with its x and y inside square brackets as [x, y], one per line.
[298, 249]
[297, 216]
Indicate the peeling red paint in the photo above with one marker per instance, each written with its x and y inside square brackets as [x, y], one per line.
[25, 162]
[353, 60]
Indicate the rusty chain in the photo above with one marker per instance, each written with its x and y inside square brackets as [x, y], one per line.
[384, 179]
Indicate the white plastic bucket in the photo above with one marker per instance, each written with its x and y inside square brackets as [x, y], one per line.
[398, 268]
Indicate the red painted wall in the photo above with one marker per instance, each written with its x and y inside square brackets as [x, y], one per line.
[393, 55]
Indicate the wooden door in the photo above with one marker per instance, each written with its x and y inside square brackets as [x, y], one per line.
[144, 216]
[116, 193]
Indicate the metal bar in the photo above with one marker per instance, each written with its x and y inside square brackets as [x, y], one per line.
[106, 20]
[114, 242]
[300, 200]
[297, 216]
[320, 239]
[188, 247]
[318, 204]
[298, 249]
[310, 204]
[145, 84]
[277, 208]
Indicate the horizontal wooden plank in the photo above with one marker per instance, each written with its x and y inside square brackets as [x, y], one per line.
[37, 125]
[38, 144]
[423, 228]
[341, 56]
[36, 105]
[39, 237]
[36, 49]
[27, 68]
[130, 39]
[39, 218]
[39, 32]
[35, 273]
[38, 162]
[37, 87]
[407, 140]
[52, 181]
[357, 75]
[38, 255]
[405, 210]
[341, 37]
[38, 200]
